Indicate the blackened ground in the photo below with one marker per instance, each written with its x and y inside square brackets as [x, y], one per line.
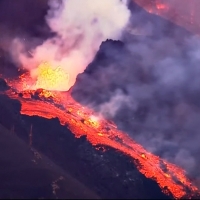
[24, 173]
[109, 174]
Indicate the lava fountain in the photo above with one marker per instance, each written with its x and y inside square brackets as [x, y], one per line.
[50, 78]
[84, 122]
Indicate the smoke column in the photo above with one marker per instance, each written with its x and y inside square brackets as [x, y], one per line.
[149, 86]
[80, 26]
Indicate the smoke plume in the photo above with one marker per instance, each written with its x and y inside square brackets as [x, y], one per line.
[79, 27]
[149, 85]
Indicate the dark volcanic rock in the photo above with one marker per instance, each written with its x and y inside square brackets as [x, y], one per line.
[109, 174]
[27, 174]
[3, 85]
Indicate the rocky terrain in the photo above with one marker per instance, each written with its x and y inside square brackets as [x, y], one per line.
[65, 166]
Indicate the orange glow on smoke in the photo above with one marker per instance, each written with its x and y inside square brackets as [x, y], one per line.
[82, 121]
[93, 121]
[184, 13]
[161, 6]
[50, 78]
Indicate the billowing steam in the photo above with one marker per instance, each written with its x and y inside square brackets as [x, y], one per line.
[80, 26]
[149, 85]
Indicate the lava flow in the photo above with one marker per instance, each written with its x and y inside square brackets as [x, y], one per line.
[83, 122]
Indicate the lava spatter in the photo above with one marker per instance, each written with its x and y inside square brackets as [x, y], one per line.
[50, 78]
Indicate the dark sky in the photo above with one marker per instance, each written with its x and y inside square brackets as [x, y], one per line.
[22, 17]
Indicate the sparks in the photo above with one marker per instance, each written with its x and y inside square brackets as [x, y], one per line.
[143, 156]
[50, 78]
[94, 121]
[161, 6]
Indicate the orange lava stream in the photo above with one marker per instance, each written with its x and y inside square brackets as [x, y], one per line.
[82, 121]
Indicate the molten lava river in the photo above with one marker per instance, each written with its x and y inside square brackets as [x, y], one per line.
[82, 121]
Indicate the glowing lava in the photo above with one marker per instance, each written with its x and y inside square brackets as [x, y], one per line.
[186, 15]
[83, 122]
[162, 6]
[50, 78]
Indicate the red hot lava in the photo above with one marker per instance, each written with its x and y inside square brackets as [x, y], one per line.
[82, 121]
[181, 12]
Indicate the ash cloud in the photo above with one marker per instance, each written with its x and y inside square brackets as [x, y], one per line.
[149, 85]
[79, 27]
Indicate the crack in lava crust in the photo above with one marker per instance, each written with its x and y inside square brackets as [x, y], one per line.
[171, 179]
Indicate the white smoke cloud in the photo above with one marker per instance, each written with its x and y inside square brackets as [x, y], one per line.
[112, 106]
[80, 27]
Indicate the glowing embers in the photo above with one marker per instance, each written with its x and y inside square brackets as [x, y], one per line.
[50, 78]
[94, 121]
[160, 6]
[144, 156]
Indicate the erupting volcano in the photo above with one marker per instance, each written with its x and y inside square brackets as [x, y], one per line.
[50, 78]
[114, 56]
